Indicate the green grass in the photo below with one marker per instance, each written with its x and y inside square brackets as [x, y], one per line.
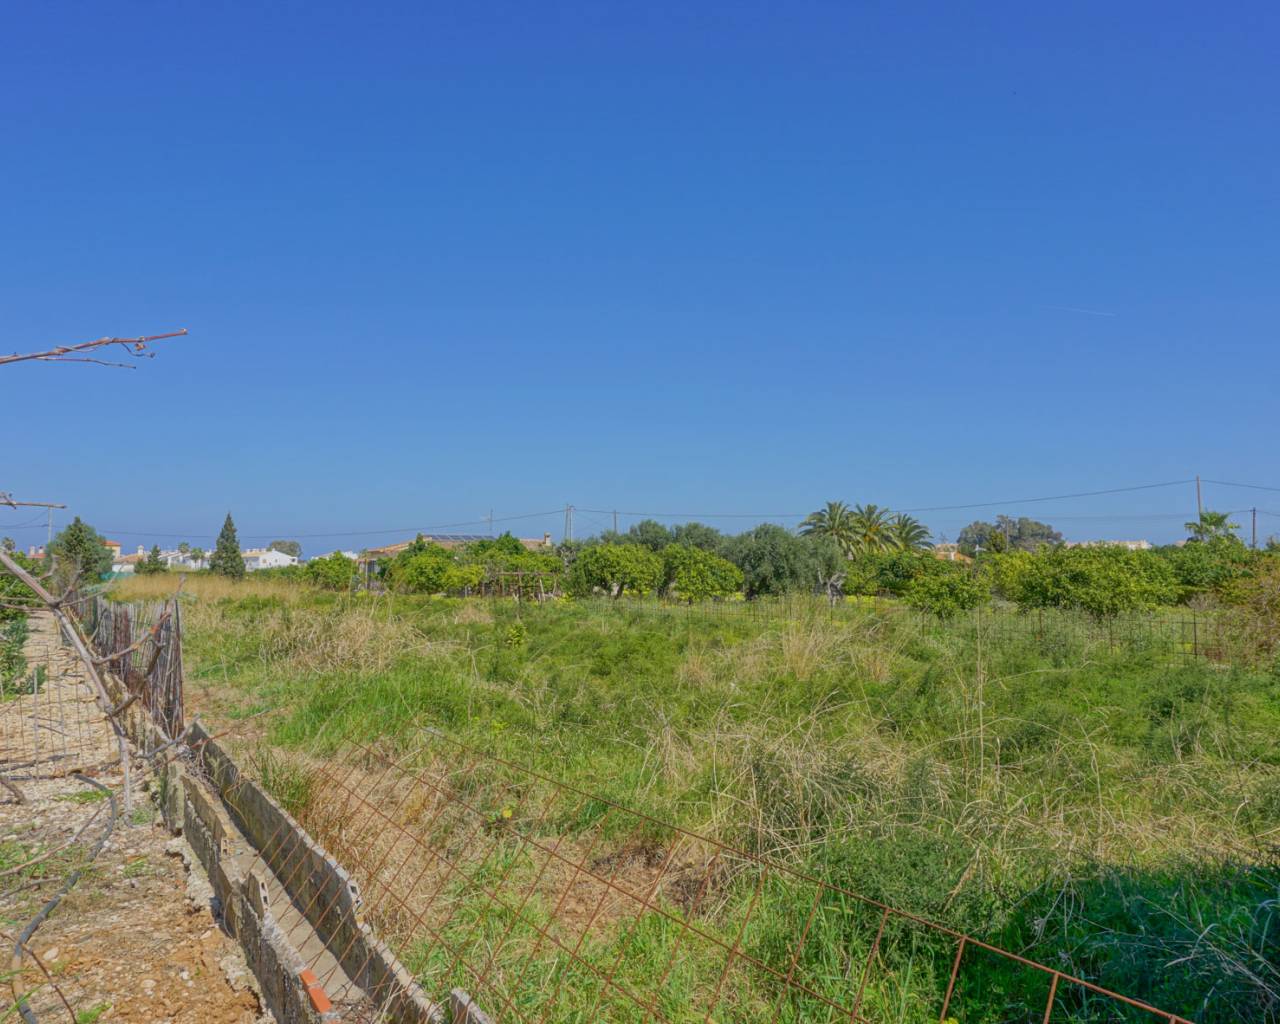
[83, 796]
[93, 1014]
[1081, 801]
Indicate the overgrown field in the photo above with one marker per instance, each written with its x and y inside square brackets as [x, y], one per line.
[1099, 809]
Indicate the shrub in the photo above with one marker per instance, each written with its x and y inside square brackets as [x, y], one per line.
[616, 569]
[461, 579]
[422, 571]
[774, 560]
[889, 572]
[80, 553]
[693, 574]
[1212, 565]
[947, 593]
[332, 572]
[1102, 581]
[153, 564]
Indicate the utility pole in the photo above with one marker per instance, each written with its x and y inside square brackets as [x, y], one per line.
[1199, 503]
[1254, 542]
[568, 522]
[491, 522]
[7, 499]
[615, 520]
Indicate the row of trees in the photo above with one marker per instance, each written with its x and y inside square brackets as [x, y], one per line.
[840, 550]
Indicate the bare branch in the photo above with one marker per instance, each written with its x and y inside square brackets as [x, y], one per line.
[134, 347]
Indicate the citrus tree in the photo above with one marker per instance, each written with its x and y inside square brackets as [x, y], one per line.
[696, 575]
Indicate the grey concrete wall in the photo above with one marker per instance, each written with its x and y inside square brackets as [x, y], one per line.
[316, 885]
[246, 842]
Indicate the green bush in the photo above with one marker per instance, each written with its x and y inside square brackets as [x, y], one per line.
[1208, 566]
[774, 560]
[616, 569]
[888, 572]
[332, 572]
[462, 579]
[693, 574]
[1102, 581]
[947, 593]
[420, 571]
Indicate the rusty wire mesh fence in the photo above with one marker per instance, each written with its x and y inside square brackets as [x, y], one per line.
[140, 646]
[549, 904]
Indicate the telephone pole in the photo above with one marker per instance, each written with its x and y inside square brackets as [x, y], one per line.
[1254, 542]
[568, 522]
[615, 520]
[491, 523]
[1199, 503]
[7, 499]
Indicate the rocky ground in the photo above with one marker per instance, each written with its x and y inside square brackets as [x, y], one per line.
[133, 940]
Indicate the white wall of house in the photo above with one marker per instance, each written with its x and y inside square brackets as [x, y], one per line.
[261, 558]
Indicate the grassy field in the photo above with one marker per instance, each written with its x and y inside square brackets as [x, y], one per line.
[1093, 807]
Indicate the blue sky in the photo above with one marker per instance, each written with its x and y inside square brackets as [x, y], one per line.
[712, 258]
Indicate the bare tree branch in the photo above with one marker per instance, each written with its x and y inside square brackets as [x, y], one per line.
[134, 347]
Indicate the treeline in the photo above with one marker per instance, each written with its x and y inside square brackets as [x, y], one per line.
[841, 551]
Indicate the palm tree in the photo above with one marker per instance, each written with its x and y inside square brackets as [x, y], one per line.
[872, 529]
[909, 533]
[1211, 525]
[834, 521]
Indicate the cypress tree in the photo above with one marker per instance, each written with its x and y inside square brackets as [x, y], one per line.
[227, 560]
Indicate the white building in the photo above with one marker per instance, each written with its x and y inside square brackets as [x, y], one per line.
[353, 555]
[266, 558]
[1128, 545]
[175, 559]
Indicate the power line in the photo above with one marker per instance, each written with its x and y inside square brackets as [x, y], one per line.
[923, 508]
[1050, 497]
[1251, 487]
[336, 533]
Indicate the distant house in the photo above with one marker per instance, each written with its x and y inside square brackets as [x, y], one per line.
[114, 547]
[125, 564]
[184, 560]
[266, 558]
[1128, 545]
[353, 555]
[950, 553]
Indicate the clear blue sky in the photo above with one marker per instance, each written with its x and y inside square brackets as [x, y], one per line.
[438, 259]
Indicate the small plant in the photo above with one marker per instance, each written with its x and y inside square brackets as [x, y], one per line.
[516, 636]
[93, 1014]
[83, 796]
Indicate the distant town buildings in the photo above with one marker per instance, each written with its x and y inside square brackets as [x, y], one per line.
[1128, 545]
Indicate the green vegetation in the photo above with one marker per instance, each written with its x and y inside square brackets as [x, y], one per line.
[79, 554]
[227, 559]
[13, 664]
[332, 572]
[153, 564]
[1101, 811]
[93, 1014]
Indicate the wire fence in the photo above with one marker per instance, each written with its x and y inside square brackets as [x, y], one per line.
[548, 903]
[140, 646]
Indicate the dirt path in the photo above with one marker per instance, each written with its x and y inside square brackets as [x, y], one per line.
[133, 941]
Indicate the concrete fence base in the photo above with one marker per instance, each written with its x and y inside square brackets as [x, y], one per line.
[293, 909]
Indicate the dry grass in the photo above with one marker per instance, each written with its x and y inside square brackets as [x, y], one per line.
[205, 587]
